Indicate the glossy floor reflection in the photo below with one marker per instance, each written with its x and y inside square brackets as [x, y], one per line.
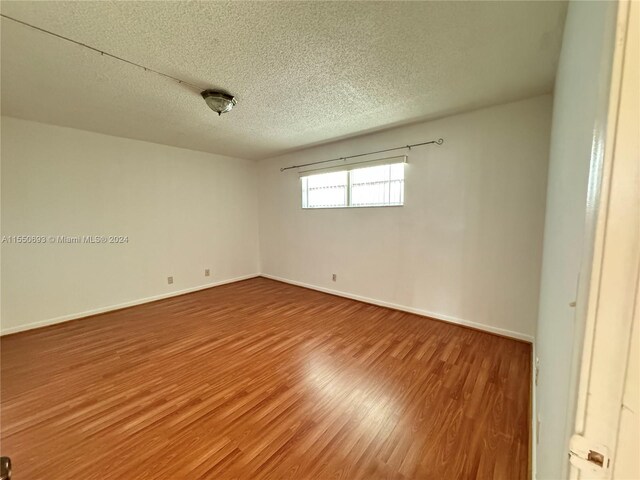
[260, 379]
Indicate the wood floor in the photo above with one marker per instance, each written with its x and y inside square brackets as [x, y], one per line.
[260, 379]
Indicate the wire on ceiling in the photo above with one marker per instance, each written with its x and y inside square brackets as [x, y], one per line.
[102, 52]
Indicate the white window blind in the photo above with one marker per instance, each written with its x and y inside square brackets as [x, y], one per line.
[363, 184]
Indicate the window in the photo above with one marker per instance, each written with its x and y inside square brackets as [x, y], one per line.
[325, 190]
[372, 186]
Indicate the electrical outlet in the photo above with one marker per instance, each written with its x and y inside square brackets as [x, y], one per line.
[169, 280]
[207, 272]
[334, 277]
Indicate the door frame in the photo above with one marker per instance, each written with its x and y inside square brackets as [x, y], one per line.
[611, 267]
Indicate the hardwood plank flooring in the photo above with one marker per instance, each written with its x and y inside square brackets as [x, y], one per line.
[260, 379]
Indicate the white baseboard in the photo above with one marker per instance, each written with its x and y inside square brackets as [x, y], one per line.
[417, 311]
[74, 316]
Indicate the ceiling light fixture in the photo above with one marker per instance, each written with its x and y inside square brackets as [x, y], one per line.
[219, 102]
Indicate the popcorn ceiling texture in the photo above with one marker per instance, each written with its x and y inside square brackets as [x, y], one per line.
[303, 72]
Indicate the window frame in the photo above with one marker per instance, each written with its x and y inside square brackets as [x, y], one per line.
[348, 169]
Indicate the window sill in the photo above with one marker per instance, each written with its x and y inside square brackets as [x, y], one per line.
[351, 208]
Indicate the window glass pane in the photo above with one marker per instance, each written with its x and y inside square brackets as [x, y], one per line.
[361, 187]
[305, 200]
[325, 190]
[397, 171]
[379, 185]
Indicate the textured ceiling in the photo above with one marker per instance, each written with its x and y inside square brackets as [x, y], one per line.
[303, 72]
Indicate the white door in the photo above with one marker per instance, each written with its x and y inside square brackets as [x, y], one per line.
[606, 440]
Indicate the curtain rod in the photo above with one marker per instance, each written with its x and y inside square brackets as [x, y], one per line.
[440, 141]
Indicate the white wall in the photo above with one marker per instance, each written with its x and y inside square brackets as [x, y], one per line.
[579, 115]
[182, 210]
[465, 247]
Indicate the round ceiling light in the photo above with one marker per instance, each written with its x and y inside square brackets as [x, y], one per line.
[219, 102]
